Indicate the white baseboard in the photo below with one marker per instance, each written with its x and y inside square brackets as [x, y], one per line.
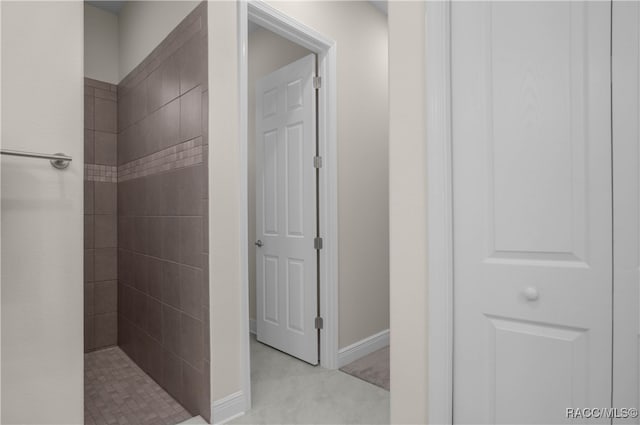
[252, 326]
[195, 420]
[363, 347]
[228, 408]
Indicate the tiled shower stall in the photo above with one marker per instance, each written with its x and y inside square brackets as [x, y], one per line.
[146, 260]
[100, 219]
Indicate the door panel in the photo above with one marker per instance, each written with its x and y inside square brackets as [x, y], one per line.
[286, 210]
[559, 362]
[295, 180]
[532, 210]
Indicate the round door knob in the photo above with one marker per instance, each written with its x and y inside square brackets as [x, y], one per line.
[259, 243]
[531, 293]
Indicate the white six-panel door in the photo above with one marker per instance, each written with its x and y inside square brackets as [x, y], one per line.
[286, 262]
[531, 135]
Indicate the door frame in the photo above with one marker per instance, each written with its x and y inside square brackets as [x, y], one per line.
[625, 105]
[262, 13]
[439, 212]
[440, 218]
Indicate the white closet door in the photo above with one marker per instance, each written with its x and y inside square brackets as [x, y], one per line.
[532, 210]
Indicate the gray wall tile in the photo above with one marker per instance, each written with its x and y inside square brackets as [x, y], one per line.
[92, 84]
[88, 232]
[193, 384]
[106, 330]
[168, 125]
[125, 267]
[88, 299]
[171, 284]
[106, 116]
[191, 241]
[124, 111]
[192, 347]
[155, 360]
[171, 331]
[89, 343]
[88, 147]
[205, 117]
[106, 148]
[106, 264]
[171, 239]
[139, 102]
[140, 310]
[140, 232]
[154, 277]
[89, 265]
[105, 94]
[154, 318]
[106, 297]
[125, 232]
[154, 236]
[192, 66]
[89, 112]
[106, 230]
[126, 303]
[88, 197]
[172, 374]
[191, 291]
[140, 269]
[105, 198]
[191, 114]
[190, 190]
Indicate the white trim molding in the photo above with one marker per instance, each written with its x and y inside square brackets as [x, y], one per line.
[439, 212]
[253, 328]
[195, 420]
[228, 408]
[243, 32]
[363, 347]
[267, 16]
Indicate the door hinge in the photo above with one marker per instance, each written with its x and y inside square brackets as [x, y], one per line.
[317, 243]
[317, 162]
[319, 323]
[317, 82]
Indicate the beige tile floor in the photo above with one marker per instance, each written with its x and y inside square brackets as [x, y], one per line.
[118, 392]
[288, 391]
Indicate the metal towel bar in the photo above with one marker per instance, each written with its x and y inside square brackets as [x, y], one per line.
[58, 160]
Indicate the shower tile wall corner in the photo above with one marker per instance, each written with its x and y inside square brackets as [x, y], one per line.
[161, 207]
[100, 219]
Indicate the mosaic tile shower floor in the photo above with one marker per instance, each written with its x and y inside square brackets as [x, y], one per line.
[118, 392]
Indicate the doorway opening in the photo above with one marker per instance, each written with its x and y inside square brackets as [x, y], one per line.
[265, 18]
[292, 193]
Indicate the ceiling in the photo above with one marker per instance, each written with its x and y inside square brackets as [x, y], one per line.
[116, 6]
[381, 5]
[108, 5]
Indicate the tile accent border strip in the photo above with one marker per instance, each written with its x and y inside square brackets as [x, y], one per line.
[101, 173]
[181, 155]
